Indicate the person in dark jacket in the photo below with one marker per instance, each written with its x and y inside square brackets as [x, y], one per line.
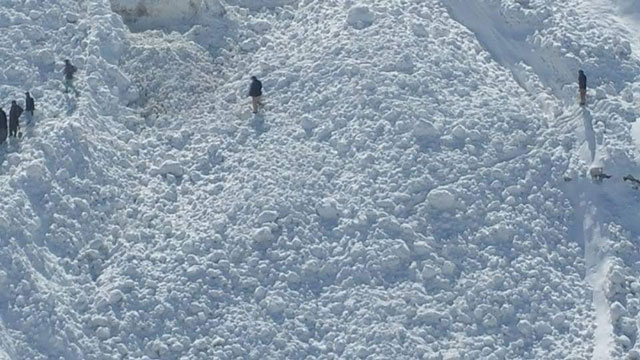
[255, 91]
[30, 107]
[582, 86]
[14, 116]
[69, 71]
[3, 126]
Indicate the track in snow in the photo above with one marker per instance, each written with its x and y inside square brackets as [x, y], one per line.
[511, 50]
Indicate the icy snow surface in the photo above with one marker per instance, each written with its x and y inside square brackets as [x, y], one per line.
[417, 185]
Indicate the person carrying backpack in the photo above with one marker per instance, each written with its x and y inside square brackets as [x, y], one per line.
[582, 86]
[14, 116]
[255, 91]
[30, 107]
[69, 71]
[3, 126]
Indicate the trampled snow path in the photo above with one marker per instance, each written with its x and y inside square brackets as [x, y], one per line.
[510, 49]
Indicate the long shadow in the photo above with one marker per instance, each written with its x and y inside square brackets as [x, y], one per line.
[3, 152]
[589, 134]
[258, 124]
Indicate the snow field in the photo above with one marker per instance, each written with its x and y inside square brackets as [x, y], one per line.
[400, 197]
[339, 151]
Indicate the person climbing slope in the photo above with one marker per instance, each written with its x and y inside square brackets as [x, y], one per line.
[14, 116]
[69, 71]
[3, 126]
[30, 107]
[582, 86]
[255, 91]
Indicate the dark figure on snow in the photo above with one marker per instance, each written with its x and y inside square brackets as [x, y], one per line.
[582, 85]
[255, 91]
[14, 116]
[3, 126]
[69, 71]
[30, 107]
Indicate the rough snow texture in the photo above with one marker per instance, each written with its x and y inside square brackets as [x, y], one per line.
[405, 193]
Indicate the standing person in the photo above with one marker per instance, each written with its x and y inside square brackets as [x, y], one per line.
[582, 85]
[69, 71]
[3, 126]
[29, 107]
[255, 91]
[14, 116]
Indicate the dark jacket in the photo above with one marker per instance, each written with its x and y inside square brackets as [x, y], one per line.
[30, 104]
[256, 88]
[582, 81]
[14, 115]
[69, 70]
[3, 119]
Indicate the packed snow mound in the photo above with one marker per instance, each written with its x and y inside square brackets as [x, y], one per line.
[168, 14]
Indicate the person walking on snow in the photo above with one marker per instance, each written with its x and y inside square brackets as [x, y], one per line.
[255, 91]
[3, 126]
[29, 107]
[14, 116]
[582, 85]
[69, 71]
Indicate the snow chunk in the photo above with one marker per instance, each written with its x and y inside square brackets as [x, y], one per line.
[459, 132]
[442, 199]
[328, 209]
[448, 268]
[115, 296]
[103, 333]
[422, 248]
[169, 167]
[425, 129]
[274, 305]
[429, 271]
[263, 237]
[360, 17]
[44, 57]
[396, 256]
[35, 171]
[308, 123]
[72, 17]
[428, 317]
[267, 216]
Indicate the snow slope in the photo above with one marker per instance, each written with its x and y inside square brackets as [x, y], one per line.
[417, 186]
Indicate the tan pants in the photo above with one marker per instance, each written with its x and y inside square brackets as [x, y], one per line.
[256, 101]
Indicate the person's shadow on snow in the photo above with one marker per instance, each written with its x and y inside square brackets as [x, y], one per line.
[71, 105]
[589, 133]
[258, 123]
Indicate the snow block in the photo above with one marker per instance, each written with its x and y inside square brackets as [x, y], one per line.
[328, 209]
[168, 167]
[425, 129]
[263, 237]
[442, 199]
[360, 17]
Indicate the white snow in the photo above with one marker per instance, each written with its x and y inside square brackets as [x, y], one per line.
[416, 186]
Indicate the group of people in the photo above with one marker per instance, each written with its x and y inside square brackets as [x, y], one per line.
[255, 92]
[10, 126]
[14, 117]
